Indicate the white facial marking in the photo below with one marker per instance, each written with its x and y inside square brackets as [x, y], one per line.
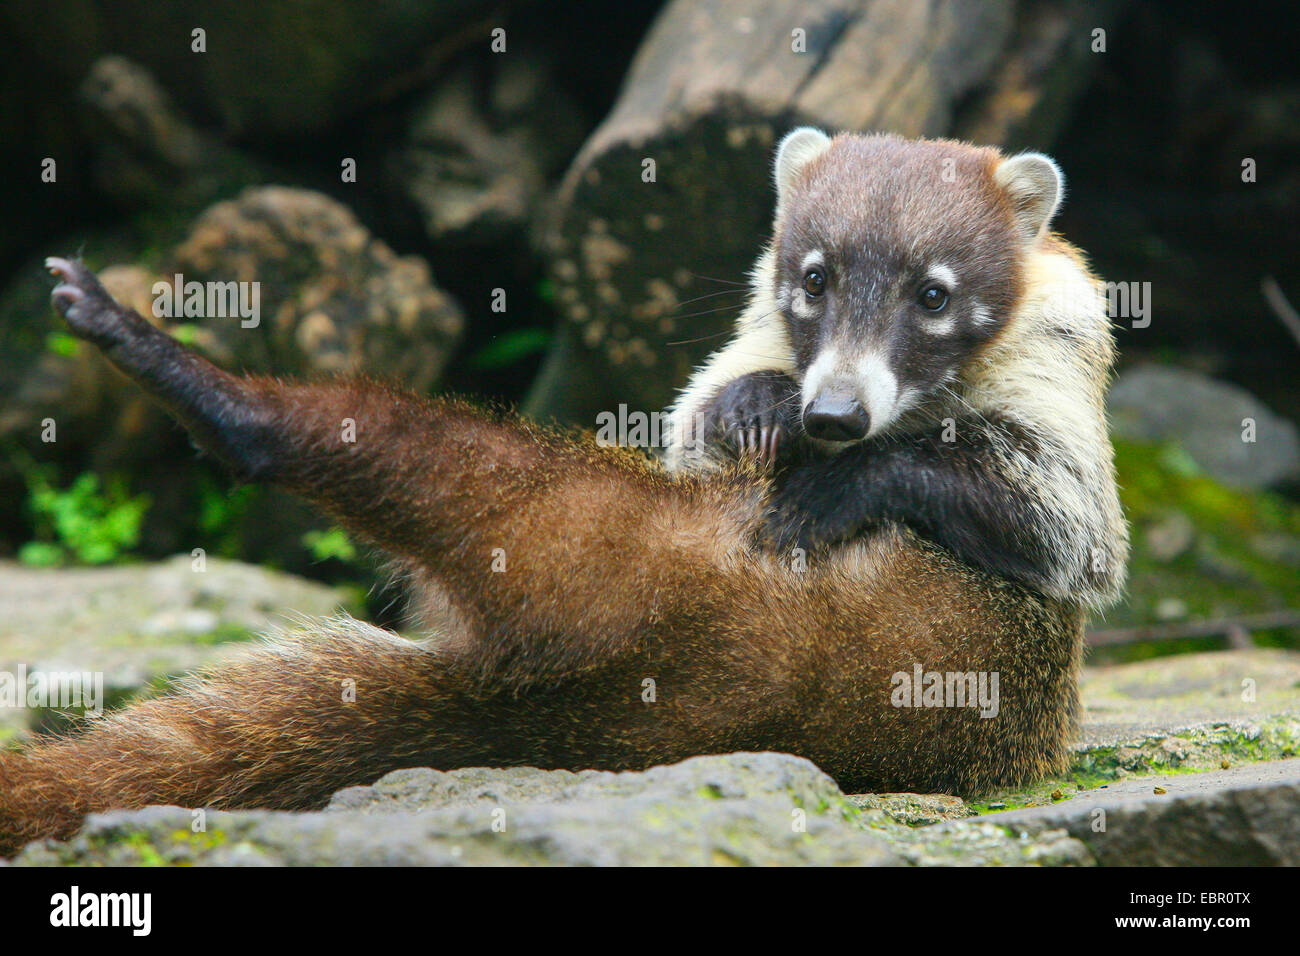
[879, 388]
[822, 368]
[798, 302]
[907, 399]
[943, 275]
[980, 314]
[944, 326]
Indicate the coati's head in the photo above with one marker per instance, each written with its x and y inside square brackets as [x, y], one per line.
[896, 261]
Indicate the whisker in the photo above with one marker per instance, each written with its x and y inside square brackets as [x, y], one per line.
[702, 338]
[710, 295]
[691, 315]
[715, 335]
[795, 398]
[696, 275]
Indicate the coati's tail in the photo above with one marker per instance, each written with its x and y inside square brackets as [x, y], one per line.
[279, 728]
[329, 704]
[597, 613]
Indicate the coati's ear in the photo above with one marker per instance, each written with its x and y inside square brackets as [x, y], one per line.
[1033, 183]
[799, 147]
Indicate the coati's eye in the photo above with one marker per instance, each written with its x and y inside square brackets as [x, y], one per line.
[933, 298]
[814, 283]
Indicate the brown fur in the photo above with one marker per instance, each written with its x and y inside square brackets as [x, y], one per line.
[615, 573]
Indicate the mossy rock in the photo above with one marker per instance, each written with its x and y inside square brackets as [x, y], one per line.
[1201, 550]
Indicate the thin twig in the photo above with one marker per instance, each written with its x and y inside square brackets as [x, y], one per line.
[1282, 308]
[1212, 628]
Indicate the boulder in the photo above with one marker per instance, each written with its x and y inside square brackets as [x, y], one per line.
[1227, 431]
[145, 152]
[1245, 816]
[1233, 690]
[484, 148]
[728, 810]
[332, 298]
[280, 67]
[725, 810]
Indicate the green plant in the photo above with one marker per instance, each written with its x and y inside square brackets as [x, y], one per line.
[81, 523]
[62, 343]
[331, 543]
[222, 510]
[511, 347]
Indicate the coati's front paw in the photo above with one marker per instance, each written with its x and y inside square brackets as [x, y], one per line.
[757, 415]
[90, 311]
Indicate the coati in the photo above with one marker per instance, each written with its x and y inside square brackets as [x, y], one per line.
[645, 614]
[916, 350]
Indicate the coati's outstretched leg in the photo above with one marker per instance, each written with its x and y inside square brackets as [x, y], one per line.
[444, 488]
[630, 623]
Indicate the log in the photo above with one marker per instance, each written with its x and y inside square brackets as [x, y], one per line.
[713, 87]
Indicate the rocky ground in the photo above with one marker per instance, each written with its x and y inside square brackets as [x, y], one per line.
[1186, 760]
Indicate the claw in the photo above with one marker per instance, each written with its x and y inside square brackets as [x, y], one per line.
[69, 292]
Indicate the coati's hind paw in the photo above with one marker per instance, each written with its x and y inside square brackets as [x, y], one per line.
[91, 313]
[756, 415]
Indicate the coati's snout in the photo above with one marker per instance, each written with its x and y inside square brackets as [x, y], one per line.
[850, 394]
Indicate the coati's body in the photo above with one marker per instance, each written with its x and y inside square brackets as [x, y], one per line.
[641, 617]
[981, 425]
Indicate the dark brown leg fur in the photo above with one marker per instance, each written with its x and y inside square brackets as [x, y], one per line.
[615, 574]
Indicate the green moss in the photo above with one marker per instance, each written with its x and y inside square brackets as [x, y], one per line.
[88, 522]
[1193, 751]
[62, 343]
[224, 633]
[202, 840]
[138, 842]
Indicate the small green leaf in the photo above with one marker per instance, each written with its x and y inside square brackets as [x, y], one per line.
[40, 554]
[507, 349]
[186, 333]
[332, 543]
[62, 343]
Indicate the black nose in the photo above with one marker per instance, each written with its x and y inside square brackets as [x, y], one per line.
[836, 416]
